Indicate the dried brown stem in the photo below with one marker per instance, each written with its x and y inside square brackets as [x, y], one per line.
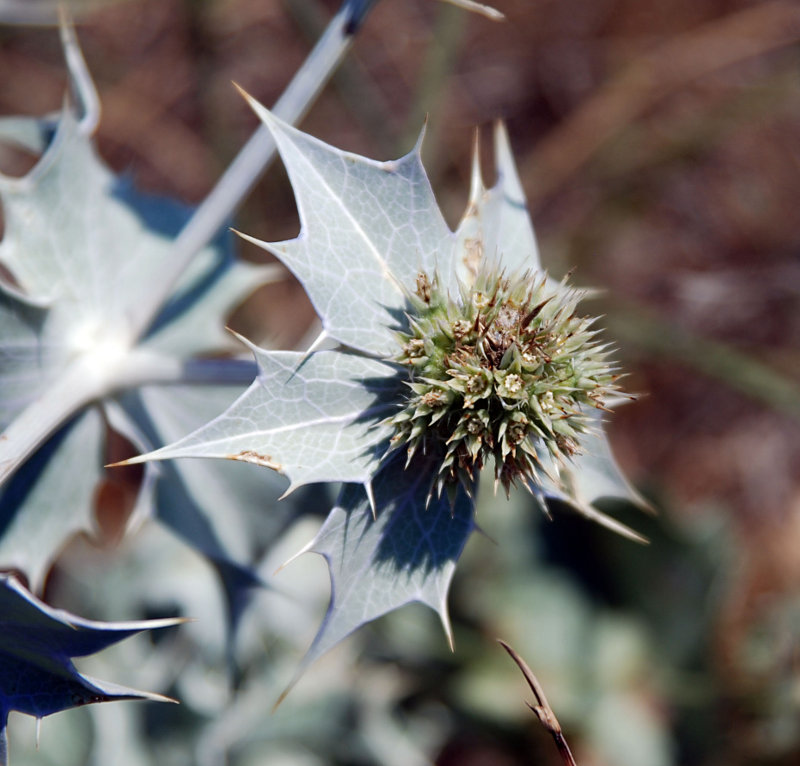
[542, 708]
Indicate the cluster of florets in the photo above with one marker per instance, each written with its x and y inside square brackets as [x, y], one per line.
[505, 369]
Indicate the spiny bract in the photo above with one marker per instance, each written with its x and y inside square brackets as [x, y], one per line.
[502, 370]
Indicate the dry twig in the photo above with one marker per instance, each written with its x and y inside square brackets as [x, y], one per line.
[542, 708]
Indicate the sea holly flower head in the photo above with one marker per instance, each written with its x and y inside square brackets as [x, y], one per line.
[503, 370]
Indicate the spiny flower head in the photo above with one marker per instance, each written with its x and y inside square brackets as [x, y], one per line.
[505, 369]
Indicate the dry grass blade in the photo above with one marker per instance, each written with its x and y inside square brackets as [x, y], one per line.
[542, 708]
[715, 45]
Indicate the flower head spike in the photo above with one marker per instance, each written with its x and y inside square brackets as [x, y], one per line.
[454, 349]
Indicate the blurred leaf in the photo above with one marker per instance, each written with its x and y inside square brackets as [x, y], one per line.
[406, 552]
[51, 497]
[37, 644]
[83, 249]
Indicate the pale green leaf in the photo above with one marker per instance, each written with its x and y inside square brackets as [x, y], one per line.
[367, 229]
[51, 498]
[406, 552]
[314, 418]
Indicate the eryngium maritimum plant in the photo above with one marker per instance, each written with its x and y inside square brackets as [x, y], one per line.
[451, 348]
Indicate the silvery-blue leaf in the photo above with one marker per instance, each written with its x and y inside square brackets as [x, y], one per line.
[496, 224]
[367, 229]
[311, 417]
[51, 497]
[37, 644]
[406, 552]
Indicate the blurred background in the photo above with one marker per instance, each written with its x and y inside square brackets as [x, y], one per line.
[658, 146]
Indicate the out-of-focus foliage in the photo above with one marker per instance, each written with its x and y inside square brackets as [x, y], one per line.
[82, 252]
[37, 646]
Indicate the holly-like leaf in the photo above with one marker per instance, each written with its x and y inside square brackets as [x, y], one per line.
[496, 222]
[83, 249]
[407, 551]
[50, 498]
[311, 417]
[37, 644]
[367, 229]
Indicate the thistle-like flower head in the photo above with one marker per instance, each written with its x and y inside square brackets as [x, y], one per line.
[505, 369]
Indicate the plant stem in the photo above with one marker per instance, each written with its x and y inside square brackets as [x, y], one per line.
[248, 165]
[86, 380]
[542, 708]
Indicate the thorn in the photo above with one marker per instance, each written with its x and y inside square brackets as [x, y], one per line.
[242, 91]
[307, 548]
[418, 145]
[448, 630]
[315, 344]
[291, 488]
[122, 463]
[476, 180]
[371, 498]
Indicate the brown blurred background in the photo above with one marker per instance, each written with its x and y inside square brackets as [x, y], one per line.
[658, 145]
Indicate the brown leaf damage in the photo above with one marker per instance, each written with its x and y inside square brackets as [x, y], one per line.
[251, 456]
